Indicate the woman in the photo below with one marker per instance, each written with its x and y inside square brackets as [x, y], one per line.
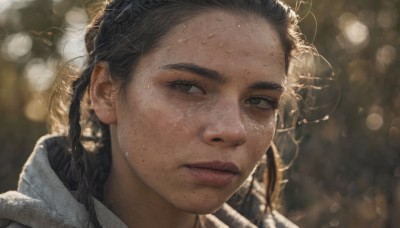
[174, 110]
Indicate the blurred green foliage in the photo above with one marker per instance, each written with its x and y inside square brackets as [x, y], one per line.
[347, 173]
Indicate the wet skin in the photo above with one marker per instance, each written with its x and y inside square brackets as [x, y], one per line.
[195, 120]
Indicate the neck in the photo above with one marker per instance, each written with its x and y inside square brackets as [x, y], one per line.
[139, 206]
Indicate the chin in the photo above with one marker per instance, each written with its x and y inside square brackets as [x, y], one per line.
[204, 209]
[203, 204]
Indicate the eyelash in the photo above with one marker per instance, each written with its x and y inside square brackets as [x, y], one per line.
[273, 103]
[185, 85]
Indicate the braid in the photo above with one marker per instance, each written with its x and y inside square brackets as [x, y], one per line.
[91, 171]
[119, 35]
[102, 163]
[272, 176]
[80, 165]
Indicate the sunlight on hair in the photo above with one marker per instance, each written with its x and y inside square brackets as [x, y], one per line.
[71, 46]
[16, 46]
[39, 74]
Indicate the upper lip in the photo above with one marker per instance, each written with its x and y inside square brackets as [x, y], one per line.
[216, 165]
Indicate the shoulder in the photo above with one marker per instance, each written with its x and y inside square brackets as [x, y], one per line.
[17, 209]
[42, 200]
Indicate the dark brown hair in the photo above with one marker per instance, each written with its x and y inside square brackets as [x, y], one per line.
[120, 33]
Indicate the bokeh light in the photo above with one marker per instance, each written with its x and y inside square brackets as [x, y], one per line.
[36, 109]
[354, 33]
[40, 74]
[385, 56]
[344, 172]
[16, 46]
[374, 121]
[387, 18]
[72, 46]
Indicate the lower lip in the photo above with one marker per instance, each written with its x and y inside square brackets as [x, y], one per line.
[211, 177]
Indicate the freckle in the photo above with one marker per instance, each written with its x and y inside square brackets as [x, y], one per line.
[272, 54]
[247, 53]
[210, 36]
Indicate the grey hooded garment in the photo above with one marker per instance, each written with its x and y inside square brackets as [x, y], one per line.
[42, 200]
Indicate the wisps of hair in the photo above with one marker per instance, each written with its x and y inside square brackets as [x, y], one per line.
[121, 32]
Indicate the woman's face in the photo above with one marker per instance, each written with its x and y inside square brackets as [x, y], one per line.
[200, 111]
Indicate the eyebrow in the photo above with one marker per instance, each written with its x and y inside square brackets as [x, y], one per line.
[267, 86]
[215, 76]
[195, 69]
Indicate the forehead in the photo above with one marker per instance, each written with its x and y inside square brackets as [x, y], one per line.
[227, 43]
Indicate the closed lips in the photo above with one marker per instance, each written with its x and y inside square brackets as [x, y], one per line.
[227, 167]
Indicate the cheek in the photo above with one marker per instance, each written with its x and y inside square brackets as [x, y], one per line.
[260, 138]
[149, 129]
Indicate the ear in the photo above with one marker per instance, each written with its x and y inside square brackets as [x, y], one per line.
[103, 93]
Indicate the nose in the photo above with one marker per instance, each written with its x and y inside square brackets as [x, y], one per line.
[225, 127]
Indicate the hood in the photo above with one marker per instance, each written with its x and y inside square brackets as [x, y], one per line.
[42, 200]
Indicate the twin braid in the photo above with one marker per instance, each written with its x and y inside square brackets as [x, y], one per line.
[90, 171]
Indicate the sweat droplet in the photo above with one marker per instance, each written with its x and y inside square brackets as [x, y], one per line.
[228, 51]
[183, 40]
[126, 154]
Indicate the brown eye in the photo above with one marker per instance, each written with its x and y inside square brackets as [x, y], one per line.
[263, 103]
[189, 87]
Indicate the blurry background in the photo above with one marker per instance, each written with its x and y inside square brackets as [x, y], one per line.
[347, 173]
